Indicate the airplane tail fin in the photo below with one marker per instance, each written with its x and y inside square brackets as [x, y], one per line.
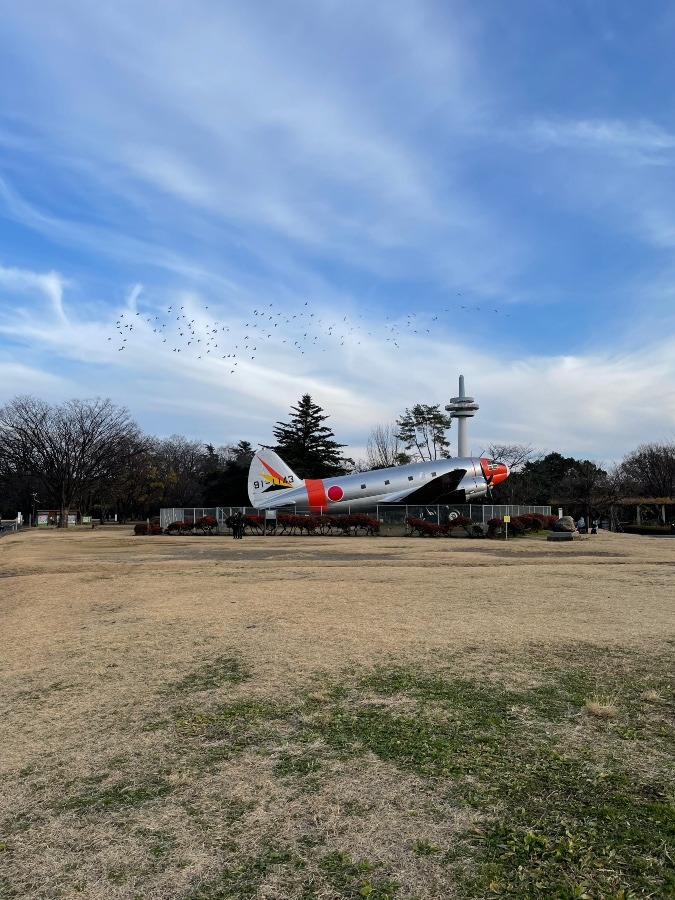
[267, 475]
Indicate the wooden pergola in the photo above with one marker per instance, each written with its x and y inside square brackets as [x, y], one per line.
[659, 504]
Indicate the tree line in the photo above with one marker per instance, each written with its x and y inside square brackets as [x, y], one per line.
[90, 455]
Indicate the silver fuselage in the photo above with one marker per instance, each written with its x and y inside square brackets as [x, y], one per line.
[366, 489]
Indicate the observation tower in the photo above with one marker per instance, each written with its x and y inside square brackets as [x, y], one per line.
[462, 408]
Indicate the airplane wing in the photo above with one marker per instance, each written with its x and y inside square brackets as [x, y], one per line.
[431, 492]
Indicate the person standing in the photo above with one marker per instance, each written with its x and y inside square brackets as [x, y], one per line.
[238, 529]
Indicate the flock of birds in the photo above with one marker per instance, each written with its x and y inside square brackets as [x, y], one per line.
[201, 336]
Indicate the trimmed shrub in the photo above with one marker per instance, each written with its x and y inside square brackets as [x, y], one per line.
[366, 523]
[341, 524]
[254, 523]
[177, 527]
[517, 526]
[292, 524]
[533, 521]
[494, 525]
[143, 528]
[463, 526]
[207, 524]
[426, 529]
[647, 529]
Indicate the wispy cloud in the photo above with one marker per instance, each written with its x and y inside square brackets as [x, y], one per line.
[50, 285]
[641, 142]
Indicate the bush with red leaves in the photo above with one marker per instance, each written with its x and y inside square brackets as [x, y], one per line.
[426, 529]
[468, 527]
[461, 522]
[533, 521]
[254, 523]
[328, 524]
[178, 527]
[207, 524]
[517, 526]
[366, 523]
[494, 525]
[292, 524]
[353, 522]
[335, 523]
[144, 528]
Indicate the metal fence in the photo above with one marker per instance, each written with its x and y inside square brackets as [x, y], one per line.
[388, 514]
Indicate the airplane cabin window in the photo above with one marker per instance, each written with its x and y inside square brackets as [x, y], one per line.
[363, 487]
[386, 481]
[433, 474]
[410, 478]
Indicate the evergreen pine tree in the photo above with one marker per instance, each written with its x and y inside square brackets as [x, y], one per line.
[422, 430]
[307, 445]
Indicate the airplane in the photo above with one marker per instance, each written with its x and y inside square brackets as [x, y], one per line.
[272, 484]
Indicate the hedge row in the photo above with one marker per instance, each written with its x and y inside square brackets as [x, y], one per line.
[521, 524]
[338, 524]
[284, 524]
[517, 526]
[430, 529]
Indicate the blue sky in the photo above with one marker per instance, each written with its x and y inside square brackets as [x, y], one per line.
[407, 190]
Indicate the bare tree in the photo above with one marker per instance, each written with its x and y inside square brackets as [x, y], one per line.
[180, 465]
[514, 455]
[649, 471]
[69, 449]
[384, 448]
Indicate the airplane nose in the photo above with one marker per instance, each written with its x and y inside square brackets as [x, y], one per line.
[494, 472]
[501, 474]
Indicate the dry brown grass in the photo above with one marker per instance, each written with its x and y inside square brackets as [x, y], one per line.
[102, 799]
[651, 696]
[601, 708]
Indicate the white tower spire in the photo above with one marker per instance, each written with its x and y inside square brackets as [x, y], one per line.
[461, 408]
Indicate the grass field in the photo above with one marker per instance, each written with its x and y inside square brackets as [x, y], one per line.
[336, 717]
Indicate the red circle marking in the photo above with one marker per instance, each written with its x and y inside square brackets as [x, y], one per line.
[335, 492]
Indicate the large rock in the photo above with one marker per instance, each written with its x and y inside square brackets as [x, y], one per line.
[564, 524]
